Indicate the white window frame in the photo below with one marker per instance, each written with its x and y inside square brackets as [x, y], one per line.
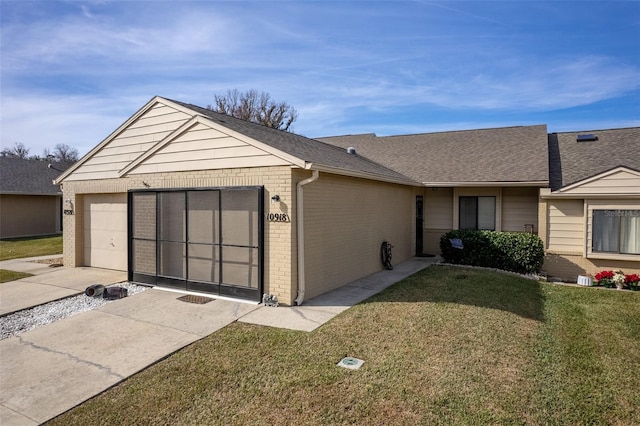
[590, 206]
[477, 192]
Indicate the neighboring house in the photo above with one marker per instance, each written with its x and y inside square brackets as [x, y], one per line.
[473, 179]
[591, 212]
[30, 204]
[183, 197]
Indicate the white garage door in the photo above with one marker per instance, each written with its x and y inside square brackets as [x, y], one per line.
[105, 231]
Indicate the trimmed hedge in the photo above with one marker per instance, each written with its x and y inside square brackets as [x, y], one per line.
[510, 251]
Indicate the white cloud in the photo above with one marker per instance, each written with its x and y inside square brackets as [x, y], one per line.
[78, 121]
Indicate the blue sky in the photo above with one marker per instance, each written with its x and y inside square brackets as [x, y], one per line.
[73, 71]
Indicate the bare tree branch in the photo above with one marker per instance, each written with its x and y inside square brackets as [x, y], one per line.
[18, 150]
[256, 107]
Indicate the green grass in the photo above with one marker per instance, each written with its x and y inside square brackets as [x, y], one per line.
[445, 346]
[17, 248]
[6, 275]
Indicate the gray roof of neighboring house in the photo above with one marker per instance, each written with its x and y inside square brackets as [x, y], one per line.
[306, 149]
[509, 154]
[571, 161]
[27, 177]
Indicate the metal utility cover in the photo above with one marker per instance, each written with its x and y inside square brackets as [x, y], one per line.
[350, 363]
[190, 298]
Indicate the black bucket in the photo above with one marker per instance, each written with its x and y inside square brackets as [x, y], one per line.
[114, 293]
[94, 290]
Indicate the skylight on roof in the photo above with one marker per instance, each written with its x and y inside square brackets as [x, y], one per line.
[588, 137]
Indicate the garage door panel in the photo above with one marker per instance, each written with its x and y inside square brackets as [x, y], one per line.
[106, 222]
[105, 231]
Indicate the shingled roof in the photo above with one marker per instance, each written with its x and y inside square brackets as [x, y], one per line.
[27, 177]
[571, 161]
[499, 156]
[309, 150]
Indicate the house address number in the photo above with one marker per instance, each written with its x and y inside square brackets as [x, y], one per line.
[278, 217]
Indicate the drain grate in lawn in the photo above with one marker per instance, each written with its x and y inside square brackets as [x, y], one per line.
[199, 300]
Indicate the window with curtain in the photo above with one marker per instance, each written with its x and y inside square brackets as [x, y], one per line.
[616, 231]
[477, 213]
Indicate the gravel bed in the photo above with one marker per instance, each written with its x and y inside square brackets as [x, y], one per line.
[28, 319]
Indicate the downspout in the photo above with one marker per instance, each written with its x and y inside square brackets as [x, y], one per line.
[300, 237]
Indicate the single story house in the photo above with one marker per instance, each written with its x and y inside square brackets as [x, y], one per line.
[183, 197]
[30, 204]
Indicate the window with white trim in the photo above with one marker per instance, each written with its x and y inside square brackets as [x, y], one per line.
[616, 231]
[477, 213]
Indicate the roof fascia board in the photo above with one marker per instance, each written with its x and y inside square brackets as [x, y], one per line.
[541, 183]
[362, 175]
[113, 135]
[576, 196]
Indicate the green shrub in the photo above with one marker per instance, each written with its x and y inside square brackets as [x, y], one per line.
[509, 251]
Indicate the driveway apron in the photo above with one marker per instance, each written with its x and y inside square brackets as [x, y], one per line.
[46, 371]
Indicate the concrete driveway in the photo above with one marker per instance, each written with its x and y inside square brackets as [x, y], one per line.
[46, 371]
[52, 284]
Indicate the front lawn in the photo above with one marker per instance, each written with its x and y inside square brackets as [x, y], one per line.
[6, 275]
[446, 346]
[17, 248]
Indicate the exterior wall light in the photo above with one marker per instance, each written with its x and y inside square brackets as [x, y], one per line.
[275, 199]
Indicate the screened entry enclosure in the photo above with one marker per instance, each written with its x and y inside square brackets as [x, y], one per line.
[198, 240]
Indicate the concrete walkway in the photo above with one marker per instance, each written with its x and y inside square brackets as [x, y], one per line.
[49, 370]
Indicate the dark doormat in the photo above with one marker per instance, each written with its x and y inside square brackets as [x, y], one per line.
[190, 298]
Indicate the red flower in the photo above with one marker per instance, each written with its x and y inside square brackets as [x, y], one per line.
[604, 275]
[632, 278]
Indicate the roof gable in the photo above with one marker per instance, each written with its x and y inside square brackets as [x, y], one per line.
[166, 131]
[571, 161]
[617, 182]
[200, 144]
[133, 138]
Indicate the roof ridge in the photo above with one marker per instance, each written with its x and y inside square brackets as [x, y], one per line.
[595, 130]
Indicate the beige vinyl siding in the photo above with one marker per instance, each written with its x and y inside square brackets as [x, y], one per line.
[620, 182]
[204, 148]
[519, 207]
[345, 221]
[438, 217]
[565, 226]
[140, 136]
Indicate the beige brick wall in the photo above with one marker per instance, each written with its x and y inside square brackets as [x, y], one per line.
[279, 248]
[346, 220]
